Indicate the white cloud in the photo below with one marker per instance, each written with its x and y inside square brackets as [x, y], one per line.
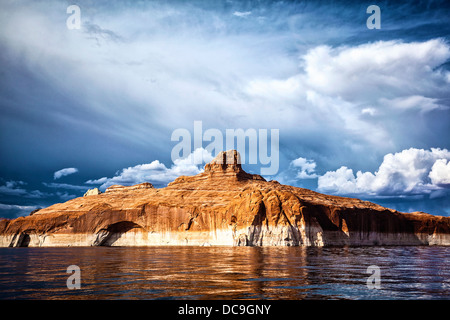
[242, 14]
[339, 181]
[406, 71]
[156, 172]
[64, 172]
[307, 168]
[357, 73]
[359, 93]
[414, 102]
[411, 171]
[98, 181]
[440, 172]
[369, 111]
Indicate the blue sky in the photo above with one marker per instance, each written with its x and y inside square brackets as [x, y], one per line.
[361, 113]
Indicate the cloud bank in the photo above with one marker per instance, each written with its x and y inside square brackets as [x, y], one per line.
[18, 210]
[16, 189]
[409, 172]
[156, 172]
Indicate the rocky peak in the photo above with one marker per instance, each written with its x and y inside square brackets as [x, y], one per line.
[229, 161]
[224, 168]
[228, 164]
[92, 192]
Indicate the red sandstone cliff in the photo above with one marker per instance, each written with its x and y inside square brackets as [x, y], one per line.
[224, 205]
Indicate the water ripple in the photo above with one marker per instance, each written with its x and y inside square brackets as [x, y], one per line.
[225, 273]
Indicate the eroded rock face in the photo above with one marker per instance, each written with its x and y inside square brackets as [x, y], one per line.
[224, 205]
[118, 188]
[92, 192]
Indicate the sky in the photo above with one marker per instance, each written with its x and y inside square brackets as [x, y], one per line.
[360, 112]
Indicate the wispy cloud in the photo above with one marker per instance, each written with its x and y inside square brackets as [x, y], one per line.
[15, 188]
[242, 14]
[100, 34]
[18, 210]
[64, 172]
[64, 186]
[65, 196]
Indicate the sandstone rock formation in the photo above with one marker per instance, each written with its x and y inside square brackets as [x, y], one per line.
[92, 192]
[223, 205]
[118, 188]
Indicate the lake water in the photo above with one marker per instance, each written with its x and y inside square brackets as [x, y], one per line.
[225, 273]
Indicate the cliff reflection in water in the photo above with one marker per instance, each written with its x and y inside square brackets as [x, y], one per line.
[225, 272]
